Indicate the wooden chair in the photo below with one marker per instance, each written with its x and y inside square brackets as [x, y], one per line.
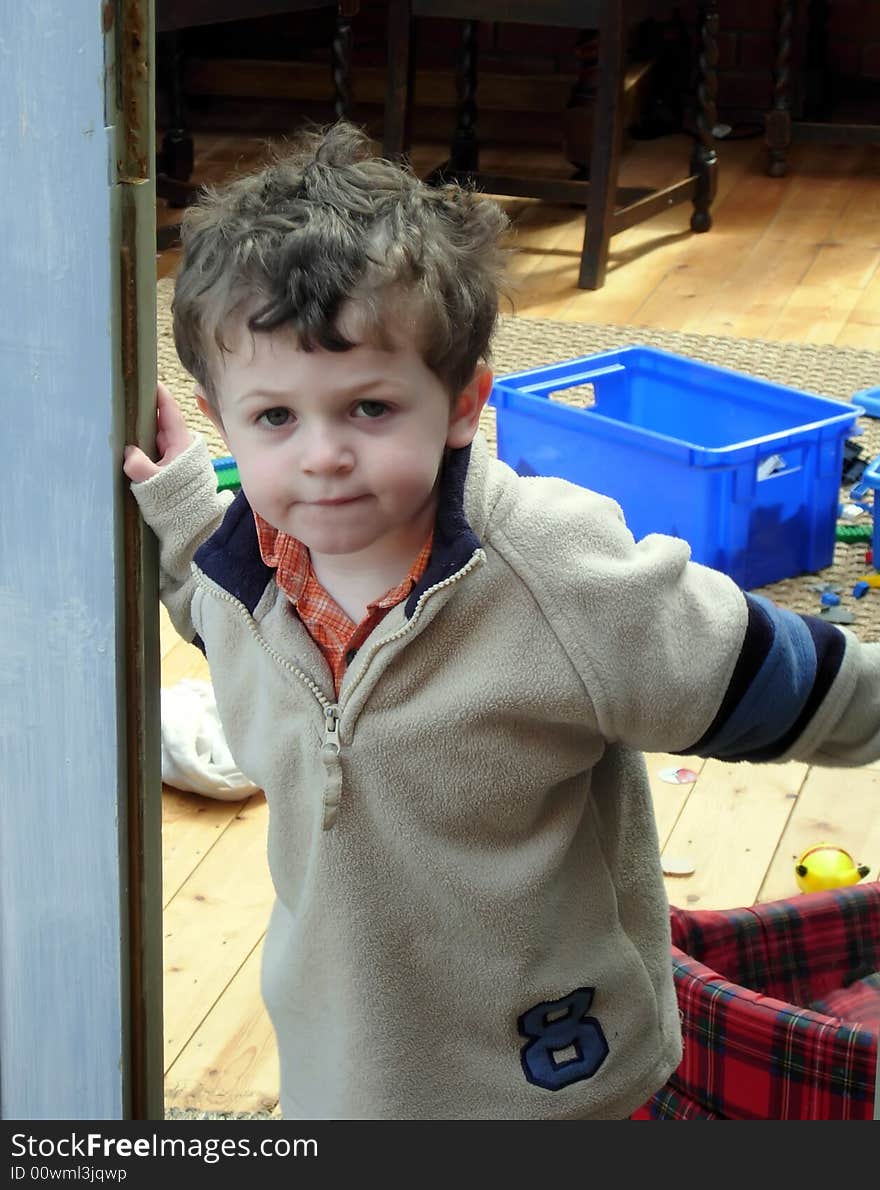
[175, 158]
[608, 209]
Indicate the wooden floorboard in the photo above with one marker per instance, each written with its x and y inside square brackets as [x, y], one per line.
[794, 258]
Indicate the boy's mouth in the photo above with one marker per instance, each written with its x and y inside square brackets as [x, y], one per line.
[336, 501]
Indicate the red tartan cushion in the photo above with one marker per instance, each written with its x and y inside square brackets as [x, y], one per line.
[750, 1051]
[859, 1003]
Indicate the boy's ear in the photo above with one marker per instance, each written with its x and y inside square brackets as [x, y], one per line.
[210, 413]
[465, 417]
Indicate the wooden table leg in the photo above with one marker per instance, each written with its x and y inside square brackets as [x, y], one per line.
[605, 154]
[465, 151]
[704, 162]
[399, 89]
[778, 122]
[340, 63]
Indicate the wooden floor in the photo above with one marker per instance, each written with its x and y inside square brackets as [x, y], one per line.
[788, 259]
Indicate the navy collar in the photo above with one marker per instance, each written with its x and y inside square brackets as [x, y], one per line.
[231, 556]
[454, 539]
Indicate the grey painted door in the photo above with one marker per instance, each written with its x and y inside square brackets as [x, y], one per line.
[80, 926]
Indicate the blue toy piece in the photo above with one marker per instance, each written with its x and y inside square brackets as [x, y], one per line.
[869, 399]
[871, 479]
[860, 504]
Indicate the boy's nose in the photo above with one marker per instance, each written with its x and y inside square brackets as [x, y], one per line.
[325, 453]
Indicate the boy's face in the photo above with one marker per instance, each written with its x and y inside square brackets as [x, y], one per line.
[341, 450]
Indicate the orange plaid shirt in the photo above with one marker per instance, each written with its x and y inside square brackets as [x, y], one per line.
[333, 631]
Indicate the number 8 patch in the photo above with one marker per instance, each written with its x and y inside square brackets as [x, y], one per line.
[567, 1045]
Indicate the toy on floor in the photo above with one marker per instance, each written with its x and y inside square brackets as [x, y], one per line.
[825, 865]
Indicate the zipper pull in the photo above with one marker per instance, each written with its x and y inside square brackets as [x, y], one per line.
[332, 794]
[331, 729]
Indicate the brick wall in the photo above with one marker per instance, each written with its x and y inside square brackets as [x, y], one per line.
[747, 45]
[507, 49]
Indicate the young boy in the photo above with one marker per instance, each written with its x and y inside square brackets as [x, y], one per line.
[443, 675]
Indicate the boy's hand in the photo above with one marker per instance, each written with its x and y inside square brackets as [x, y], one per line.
[173, 436]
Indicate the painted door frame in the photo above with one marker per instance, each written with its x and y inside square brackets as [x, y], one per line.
[80, 791]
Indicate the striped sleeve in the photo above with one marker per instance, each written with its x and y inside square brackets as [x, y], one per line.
[787, 665]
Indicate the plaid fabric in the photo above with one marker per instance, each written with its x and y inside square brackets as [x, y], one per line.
[858, 1001]
[334, 632]
[751, 1052]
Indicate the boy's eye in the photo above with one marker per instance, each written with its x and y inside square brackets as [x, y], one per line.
[372, 408]
[275, 417]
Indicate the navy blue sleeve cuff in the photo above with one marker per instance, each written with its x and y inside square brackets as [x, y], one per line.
[786, 667]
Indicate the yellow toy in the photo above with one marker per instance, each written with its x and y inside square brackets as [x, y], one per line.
[825, 865]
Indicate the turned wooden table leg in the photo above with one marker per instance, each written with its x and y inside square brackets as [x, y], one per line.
[705, 160]
[465, 151]
[778, 122]
[578, 118]
[340, 64]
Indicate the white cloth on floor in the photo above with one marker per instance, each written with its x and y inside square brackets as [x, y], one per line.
[195, 754]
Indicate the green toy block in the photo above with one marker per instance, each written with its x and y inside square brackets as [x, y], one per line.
[228, 480]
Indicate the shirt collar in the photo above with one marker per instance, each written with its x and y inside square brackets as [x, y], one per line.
[293, 565]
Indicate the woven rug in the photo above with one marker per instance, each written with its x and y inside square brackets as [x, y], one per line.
[521, 343]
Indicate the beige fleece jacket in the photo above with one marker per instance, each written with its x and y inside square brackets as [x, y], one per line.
[470, 918]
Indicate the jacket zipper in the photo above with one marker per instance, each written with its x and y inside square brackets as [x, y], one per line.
[331, 747]
[476, 557]
[219, 593]
[332, 710]
[331, 728]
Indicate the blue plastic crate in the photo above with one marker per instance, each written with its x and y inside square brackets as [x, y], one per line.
[746, 471]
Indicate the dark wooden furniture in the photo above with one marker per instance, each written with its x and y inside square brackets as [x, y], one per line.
[175, 157]
[801, 109]
[612, 19]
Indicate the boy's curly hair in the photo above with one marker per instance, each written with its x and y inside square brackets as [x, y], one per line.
[328, 224]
